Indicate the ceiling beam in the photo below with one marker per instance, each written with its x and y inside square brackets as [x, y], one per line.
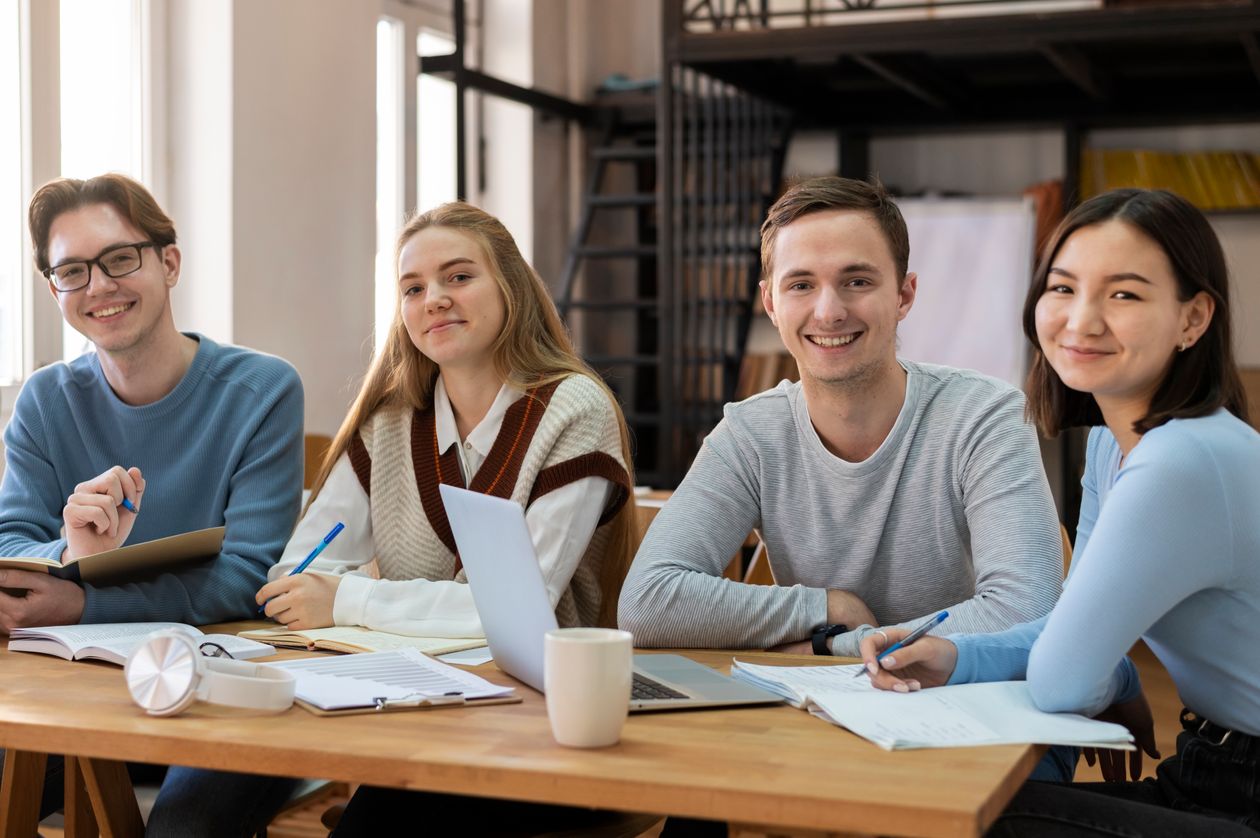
[1253, 52]
[900, 77]
[1079, 70]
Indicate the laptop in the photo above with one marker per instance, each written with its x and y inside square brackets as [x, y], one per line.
[511, 597]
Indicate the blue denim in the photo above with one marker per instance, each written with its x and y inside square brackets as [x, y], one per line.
[197, 802]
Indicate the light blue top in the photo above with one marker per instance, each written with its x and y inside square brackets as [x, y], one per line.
[224, 448]
[1168, 549]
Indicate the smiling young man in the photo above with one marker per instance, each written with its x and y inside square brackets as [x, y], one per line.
[886, 490]
[190, 433]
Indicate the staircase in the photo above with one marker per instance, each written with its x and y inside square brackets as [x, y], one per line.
[666, 329]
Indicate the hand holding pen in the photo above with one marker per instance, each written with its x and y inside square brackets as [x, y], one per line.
[100, 513]
[904, 661]
[268, 590]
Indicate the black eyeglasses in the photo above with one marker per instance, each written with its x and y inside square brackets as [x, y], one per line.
[213, 650]
[117, 261]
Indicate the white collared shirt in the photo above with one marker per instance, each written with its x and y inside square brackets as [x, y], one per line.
[561, 523]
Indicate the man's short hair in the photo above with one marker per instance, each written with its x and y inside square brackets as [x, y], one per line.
[130, 198]
[837, 193]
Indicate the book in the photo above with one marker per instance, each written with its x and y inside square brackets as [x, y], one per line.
[358, 639]
[131, 560]
[964, 715]
[403, 679]
[114, 642]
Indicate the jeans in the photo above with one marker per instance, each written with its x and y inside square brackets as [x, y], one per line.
[1209, 788]
[200, 802]
[378, 811]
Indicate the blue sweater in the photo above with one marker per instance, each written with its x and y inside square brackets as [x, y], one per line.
[224, 448]
[1168, 549]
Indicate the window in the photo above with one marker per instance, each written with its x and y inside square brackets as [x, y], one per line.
[415, 147]
[390, 202]
[435, 108]
[12, 264]
[101, 109]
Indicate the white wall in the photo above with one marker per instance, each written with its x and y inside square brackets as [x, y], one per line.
[273, 183]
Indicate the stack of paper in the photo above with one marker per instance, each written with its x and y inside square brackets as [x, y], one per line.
[999, 713]
[402, 678]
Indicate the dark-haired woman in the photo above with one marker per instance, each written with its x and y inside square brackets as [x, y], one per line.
[1129, 317]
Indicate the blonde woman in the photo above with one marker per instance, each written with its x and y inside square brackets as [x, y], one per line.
[477, 386]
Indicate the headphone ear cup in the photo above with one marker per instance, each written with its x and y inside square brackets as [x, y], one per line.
[163, 673]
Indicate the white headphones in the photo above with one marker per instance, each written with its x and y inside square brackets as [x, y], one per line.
[167, 673]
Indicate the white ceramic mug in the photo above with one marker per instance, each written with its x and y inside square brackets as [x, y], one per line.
[586, 677]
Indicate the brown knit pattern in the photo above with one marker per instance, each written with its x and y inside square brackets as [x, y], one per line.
[361, 462]
[594, 464]
[552, 431]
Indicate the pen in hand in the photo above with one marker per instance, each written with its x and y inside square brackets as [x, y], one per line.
[907, 640]
[305, 563]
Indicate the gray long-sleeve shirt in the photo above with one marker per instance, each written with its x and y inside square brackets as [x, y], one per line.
[953, 511]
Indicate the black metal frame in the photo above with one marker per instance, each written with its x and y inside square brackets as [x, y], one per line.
[453, 68]
[1124, 64]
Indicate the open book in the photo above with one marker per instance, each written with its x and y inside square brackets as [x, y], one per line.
[998, 713]
[114, 642]
[132, 560]
[359, 639]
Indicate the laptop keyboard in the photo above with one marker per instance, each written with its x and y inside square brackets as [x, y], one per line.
[645, 689]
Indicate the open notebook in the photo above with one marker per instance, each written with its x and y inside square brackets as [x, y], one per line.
[359, 639]
[998, 713]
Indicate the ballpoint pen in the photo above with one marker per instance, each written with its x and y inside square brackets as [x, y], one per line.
[907, 640]
[319, 548]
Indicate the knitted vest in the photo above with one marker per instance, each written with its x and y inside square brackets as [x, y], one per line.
[550, 437]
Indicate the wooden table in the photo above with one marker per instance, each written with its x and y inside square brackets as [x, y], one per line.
[773, 767]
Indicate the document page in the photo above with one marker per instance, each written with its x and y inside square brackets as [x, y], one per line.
[963, 715]
[402, 675]
[800, 683]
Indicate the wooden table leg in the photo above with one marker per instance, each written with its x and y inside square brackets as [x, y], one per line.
[80, 819]
[113, 798]
[20, 792]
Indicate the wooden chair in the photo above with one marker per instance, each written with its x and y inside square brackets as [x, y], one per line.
[317, 446]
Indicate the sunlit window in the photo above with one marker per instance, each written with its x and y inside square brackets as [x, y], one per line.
[389, 165]
[100, 98]
[12, 268]
[435, 109]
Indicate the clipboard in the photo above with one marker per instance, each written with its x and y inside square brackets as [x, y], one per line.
[403, 706]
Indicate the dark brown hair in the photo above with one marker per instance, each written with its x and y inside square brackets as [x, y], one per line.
[1204, 376]
[837, 193]
[130, 198]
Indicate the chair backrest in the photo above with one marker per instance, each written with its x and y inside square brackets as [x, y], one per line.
[1067, 549]
[317, 446]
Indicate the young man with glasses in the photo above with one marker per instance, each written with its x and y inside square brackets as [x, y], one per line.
[190, 433]
[154, 433]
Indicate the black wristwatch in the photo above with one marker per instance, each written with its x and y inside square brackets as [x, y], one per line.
[822, 634]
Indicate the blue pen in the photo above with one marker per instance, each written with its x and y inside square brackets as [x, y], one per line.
[129, 506]
[907, 640]
[319, 548]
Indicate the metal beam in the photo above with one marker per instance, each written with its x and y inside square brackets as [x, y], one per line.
[1079, 70]
[969, 34]
[1253, 52]
[445, 66]
[901, 78]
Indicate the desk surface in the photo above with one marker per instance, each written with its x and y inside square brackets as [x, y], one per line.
[771, 766]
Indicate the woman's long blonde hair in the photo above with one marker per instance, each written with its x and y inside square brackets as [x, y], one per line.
[533, 350]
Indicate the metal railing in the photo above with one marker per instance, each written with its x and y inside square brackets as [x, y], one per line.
[726, 15]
